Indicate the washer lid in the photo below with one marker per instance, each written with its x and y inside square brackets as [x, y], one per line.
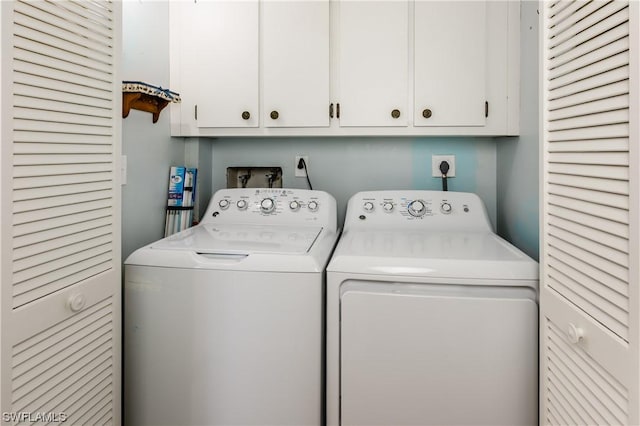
[242, 239]
[431, 254]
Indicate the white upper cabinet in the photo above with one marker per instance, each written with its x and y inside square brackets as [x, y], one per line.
[345, 67]
[450, 51]
[295, 63]
[373, 63]
[221, 42]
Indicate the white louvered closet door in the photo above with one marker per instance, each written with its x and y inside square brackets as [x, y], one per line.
[60, 228]
[589, 323]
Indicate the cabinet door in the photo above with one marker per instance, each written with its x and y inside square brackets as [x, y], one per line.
[450, 71]
[220, 62]
[589, 290]
[373, 63]
[295, 59]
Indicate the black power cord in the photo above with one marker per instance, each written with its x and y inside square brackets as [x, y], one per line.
[303, 165]
[444, 169]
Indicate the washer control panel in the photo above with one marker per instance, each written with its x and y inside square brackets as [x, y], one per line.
[432, 208]
[272, 206]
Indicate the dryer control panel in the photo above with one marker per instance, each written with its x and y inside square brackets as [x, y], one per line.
[272, 206]
[438, 210]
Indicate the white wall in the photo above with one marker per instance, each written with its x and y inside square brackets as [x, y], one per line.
[149, 149]
[517, 158]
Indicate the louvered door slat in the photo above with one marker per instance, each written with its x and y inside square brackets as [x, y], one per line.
[60, 107]
[59, 235]
[28, 78]
[62, 242]
[562, 11]
[587, 109]
[77, 23]
[589, 232]
[605, 77]
[52, 224]
[77, 40]
[598, 210]
[602, 157]
[596, 197]
[593, 184]
[567, 221]
[577, 50]
[602, 257]
[70, 99]
[46, 51]
[32, 182]
[589, 170]
[591, 71]
[61, 287]
[579, 26]
[610, 145]
[60, 190]
[607, 91]
[600, 282]
[582, 66]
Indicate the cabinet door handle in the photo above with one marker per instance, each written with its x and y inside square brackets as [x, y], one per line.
[395, 113]
[426, 113]
[274, 115]
[246, 115]
[331, 111]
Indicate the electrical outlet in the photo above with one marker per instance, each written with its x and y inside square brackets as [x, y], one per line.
[301, 172]
[435, 165]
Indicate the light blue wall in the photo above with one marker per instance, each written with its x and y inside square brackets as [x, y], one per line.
[149, 149]
[518, 158]
[344, 166]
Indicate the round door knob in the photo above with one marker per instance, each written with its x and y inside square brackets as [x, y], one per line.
[246, 115]
[395, 113]
[76, 302]
[368, 206]
[417, 208]
[388, 207]
[313, 206]
[267, 205]
[294, 206]
[445, 208]
[426, 113]
[274, 115]
[575, 333]
[242, 204]
[223, 204]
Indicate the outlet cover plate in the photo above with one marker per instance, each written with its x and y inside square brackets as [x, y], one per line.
[435, 165]
[301, 172]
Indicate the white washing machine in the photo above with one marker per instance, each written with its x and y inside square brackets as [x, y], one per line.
[224, 321]
[432, 319]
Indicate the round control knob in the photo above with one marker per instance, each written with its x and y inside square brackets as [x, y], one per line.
[294, 206]
[223, 204]
[388, 207]
[417, 208]
[368, 206]
[267, 205]
[445, 208]
[313, 206]
[241, 204]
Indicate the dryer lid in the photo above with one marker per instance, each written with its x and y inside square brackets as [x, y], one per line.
[242, 239]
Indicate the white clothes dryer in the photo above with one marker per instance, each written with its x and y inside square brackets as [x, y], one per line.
[224, 321]
[432, 319]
